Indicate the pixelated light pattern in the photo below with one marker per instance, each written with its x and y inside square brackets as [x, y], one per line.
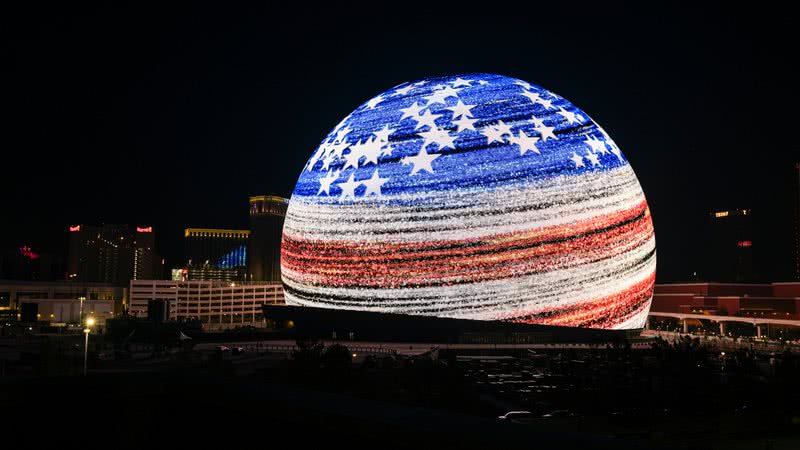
[475, 196]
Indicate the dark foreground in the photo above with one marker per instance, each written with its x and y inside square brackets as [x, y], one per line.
[676, 396]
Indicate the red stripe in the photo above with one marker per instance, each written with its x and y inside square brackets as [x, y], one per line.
[386, 265]
[605, 312]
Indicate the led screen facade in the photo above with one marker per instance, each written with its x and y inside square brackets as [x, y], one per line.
[475, 196]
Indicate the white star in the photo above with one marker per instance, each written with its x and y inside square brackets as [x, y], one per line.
[326, 162]
[524, 84]
[337, 148]
[438, 136]
[349, 187]
[387, 150]
[504, 129]
[465, 123]
[593, 158]
[483, 82]
[535, 98]
[404, 90]
[532, 96]
[421, 162]
[356, 152]
[325, 182]
[526, 143]
[371, 150]
[460, 82]
[493, 133]
[569, 115]
[374, 184]
[383, 133]
[596, 145]
[341, 133]
[546, 103]
[427, 118]
[374, 102]
[578, 160]
[419, 83]
[460, 109]
[545, 132]
[440, 95]
[614, 148]
[412, 111]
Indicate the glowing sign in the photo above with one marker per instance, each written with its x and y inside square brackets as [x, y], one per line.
[477, 197]
[144, 230]
[721, 214]
[28, 253]
[75, 228]
[745, 243]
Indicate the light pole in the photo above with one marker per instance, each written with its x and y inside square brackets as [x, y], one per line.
[80, 311]
[86, 331]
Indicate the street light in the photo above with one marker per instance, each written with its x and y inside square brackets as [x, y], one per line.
[80, 311]
[86, 331]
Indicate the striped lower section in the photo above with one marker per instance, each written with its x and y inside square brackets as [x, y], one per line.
[587, 260]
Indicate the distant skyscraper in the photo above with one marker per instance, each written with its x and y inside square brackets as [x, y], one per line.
[112, 254]
[146, 263]
[729, 246]
[216, 254]
[267, 213]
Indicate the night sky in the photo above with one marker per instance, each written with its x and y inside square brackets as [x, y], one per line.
[173, 116]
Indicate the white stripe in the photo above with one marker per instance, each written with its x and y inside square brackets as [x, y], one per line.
[463, 214]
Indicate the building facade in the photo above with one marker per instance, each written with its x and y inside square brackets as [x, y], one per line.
[218, 305]
[63, 301]
[763, 301]
[215, 254]
[267, 213]
[112, 254]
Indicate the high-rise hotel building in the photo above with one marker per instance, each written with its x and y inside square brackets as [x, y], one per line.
[112, 254]
[267, 213]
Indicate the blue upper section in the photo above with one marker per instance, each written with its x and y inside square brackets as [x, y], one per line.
[507, 132]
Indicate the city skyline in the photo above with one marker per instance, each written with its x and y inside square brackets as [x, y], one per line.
[177, 127]
[445, 225]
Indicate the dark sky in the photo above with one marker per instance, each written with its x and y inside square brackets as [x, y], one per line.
[172, 116]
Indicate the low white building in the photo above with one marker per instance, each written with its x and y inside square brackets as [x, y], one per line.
[62, 302]
[217, 304]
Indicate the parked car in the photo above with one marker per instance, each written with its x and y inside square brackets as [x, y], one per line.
[237, 350]
[516, 416]
[222, 349]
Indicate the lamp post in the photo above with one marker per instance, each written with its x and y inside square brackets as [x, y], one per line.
[86, 331]
[80, 311]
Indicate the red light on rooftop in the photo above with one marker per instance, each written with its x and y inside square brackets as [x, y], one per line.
[75, 228]
[745, 243]
[144, 230]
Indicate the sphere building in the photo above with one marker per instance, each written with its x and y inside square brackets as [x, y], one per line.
[476, 196]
